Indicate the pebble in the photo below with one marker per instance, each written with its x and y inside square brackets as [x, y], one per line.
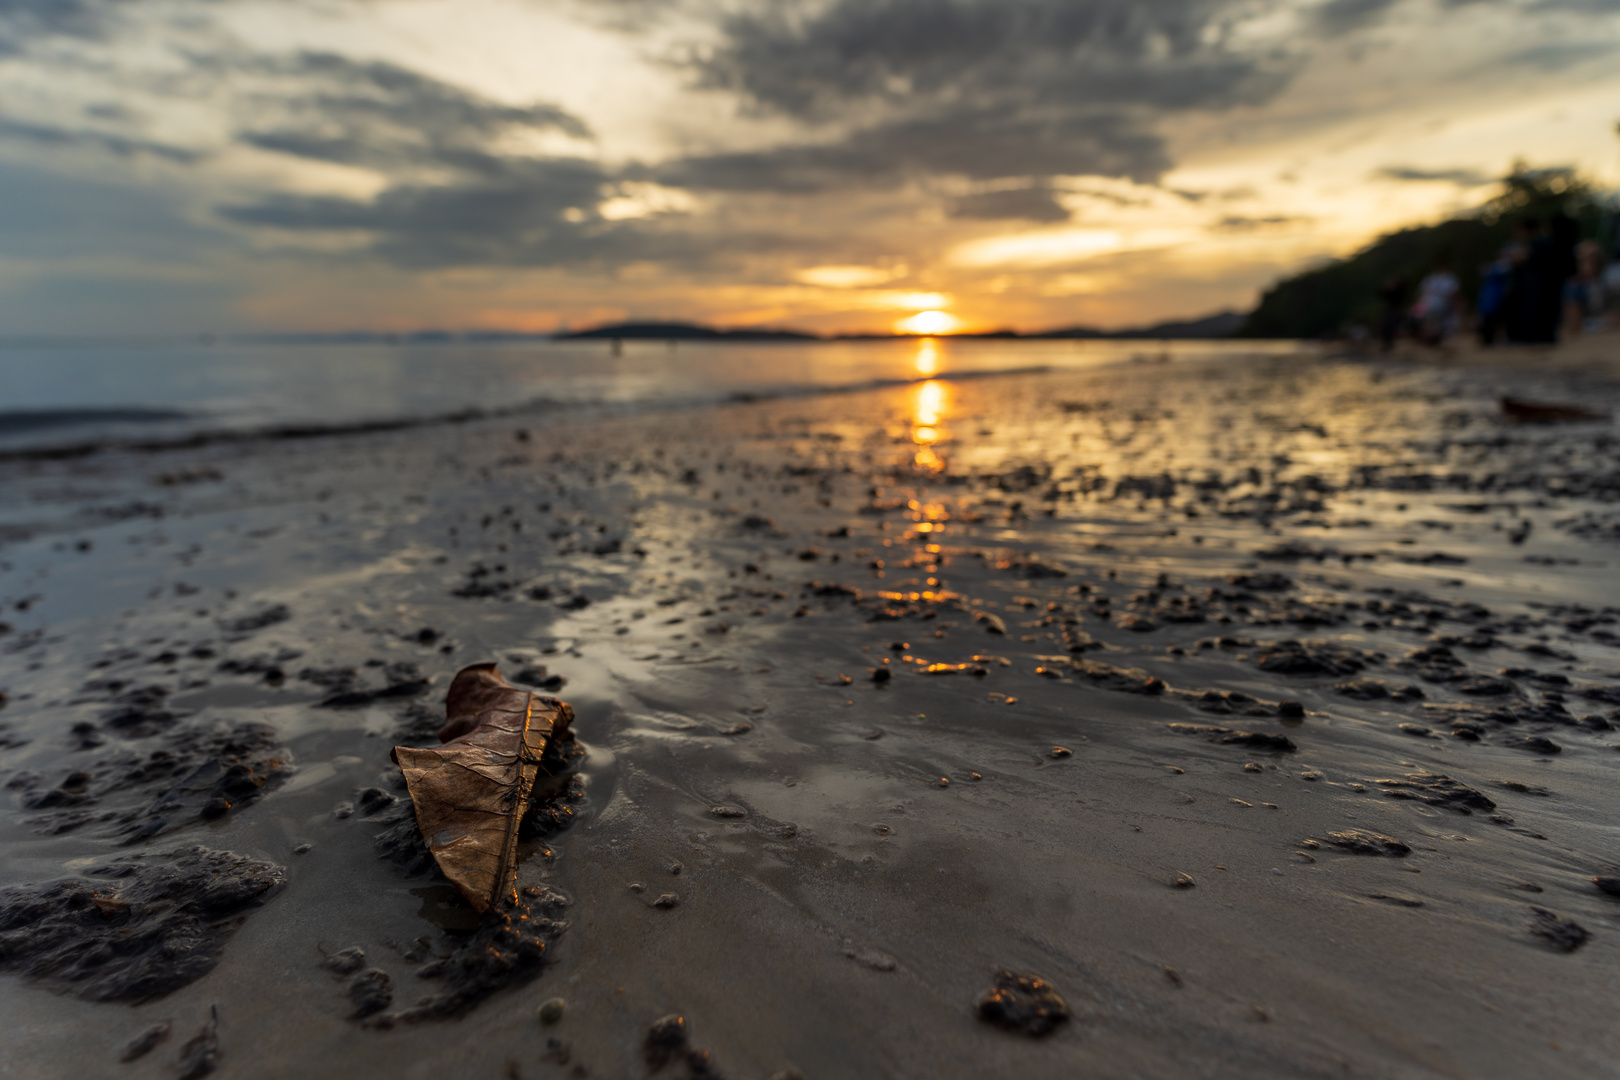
[142, 1044]
[1027, 1004]
[551, 1010]
[1059, 752]
[728, 811]
[372, 991]
[346, 961]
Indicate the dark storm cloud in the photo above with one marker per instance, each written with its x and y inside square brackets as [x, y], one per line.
[982, 89]
[978, 143]
[1114, 52]
[385, 116]
[1035, 203]
[1460, 177]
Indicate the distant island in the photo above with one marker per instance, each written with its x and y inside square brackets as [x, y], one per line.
[1219, 325]
[679, 331]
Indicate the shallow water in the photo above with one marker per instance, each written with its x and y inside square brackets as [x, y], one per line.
[1169, 551]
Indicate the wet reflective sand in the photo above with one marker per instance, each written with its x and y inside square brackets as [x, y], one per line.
[1265, 707]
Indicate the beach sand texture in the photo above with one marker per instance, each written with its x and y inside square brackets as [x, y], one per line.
[1266, 707]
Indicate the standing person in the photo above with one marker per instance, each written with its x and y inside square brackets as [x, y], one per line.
[1495, 284]
[1583, 293]
[1437, 309]
[1393, 295]
[1530, 267]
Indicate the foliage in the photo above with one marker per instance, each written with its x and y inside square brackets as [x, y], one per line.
[1329, 300]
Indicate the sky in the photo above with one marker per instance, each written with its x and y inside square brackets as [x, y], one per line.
[239, 166]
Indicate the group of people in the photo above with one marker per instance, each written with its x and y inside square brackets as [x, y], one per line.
[1546, 284]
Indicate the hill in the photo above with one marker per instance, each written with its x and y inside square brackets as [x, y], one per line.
[1330, 300]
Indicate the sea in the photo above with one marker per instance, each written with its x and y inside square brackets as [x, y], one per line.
[65, 394]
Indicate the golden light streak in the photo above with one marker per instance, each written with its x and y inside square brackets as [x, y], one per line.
[927, 411]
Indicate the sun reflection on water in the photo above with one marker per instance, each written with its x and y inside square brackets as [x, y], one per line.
[928, 409]
[927, 360]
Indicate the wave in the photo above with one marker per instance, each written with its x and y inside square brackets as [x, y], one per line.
[17, 421]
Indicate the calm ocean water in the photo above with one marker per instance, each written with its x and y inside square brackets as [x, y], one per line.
[51, 394]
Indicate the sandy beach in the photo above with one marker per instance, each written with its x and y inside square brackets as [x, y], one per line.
[1265, 707]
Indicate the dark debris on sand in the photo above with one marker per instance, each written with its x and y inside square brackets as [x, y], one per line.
[194, 774]
[1557, 932]
[1437, 790]
[1026, 1004]
[1224, 736]
[133, 928]
[667, 1043]
[1365, 842]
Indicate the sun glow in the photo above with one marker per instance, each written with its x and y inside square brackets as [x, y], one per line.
[928, 322]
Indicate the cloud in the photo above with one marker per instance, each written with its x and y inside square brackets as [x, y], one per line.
[1587, 7]
[331, 108]
[1338, 16]
[1556, 56]
[979, 143]
[1460, 177]
[1035, 203]
[532, 213]
[1234, 223]
[23, 20]
[50, 135]
[982, 89]
[462, 188]
[807, 61]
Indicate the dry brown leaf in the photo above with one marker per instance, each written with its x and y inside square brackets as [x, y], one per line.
[471, 793]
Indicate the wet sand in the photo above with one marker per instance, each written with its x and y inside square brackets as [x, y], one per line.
[1266, 708]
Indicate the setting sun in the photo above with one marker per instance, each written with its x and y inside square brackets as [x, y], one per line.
[928, 322]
